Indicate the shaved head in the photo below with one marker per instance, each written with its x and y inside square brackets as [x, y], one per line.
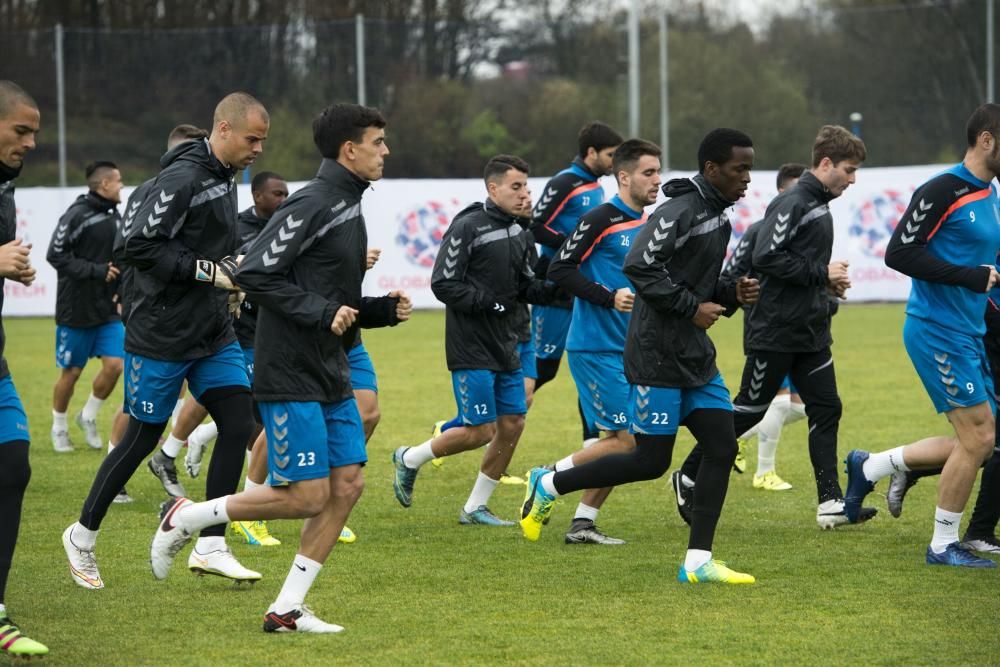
[235, 107]
[12, 96]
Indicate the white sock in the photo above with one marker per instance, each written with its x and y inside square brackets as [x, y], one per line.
[586, 512]
[196, 516]
[206, 432]
[249, 484]
[92, 407]
[769, 433]
[883, 464]
[945, 529]
[687, 481]
[172, 447]
[481, 492]
[414, 457]
[695, 558]
[298, 582]
[796, 412]
[177, 411]
[59, 421]
[206, 545]
[564, 464]
[547, 484]
[83, 538]
[590, 442]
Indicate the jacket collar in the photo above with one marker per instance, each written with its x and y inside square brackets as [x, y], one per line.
[8, 173]
[581, 167]
[335, 173]
[812, 185]
[498, 214]
[98, 202]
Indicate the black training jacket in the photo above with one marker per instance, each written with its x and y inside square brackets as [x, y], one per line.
[248, 226]
[188, 214]
[310, 260]
[674, 265]
[483, 269]
[790, 258]
[8, 231]
[80, 250]
[126, 277]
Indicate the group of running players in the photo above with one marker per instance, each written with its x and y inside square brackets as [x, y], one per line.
[271, 298]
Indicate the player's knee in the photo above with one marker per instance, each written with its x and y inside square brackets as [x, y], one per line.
[481, 434]
[370, 419]
[72, 374]
[113, 365]
[15, 471]
[348, 490]
[310, 499]
[513, 425]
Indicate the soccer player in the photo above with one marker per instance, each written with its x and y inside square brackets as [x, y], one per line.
[947, 241]
[787, 406]
[179, 328]
[589, 266]
[787, 332]
[19, 123]
[304, 272]
[674, 265]
[481, 273]
[565, 199]
[178, 135]
[87, 320]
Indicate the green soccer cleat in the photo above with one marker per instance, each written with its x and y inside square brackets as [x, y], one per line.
[403, 478]
[740, 462]
[537, 505]
[16, 645]
[713, 572]
[347, 536]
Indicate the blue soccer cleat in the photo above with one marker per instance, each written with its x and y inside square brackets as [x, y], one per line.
[858, 485]
[403, 478]
[956, 556]
[482, 516]
[537, 505]
[713, 572]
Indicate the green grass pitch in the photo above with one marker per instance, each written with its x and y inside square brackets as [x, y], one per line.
[418, 588]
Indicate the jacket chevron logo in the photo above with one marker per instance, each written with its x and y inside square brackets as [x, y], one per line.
[421, 229]
[159, 208]
[286, 233]
[450, 261]
[664, 227]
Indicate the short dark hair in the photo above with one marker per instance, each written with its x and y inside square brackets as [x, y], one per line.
[717, 146]
[498, 165]
[184, 132]
[597, 135]
[984, 119]
[788, 172]
[261, 179]
[11, 95]
[97, 171]
[628, 153]
[339, 123]
[838, 144]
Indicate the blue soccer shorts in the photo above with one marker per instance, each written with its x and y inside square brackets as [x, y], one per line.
[306, 439]
[952, 366]
[362, 369]
[549, 327]
[75, 345]
[661, 410]
[13, 420]
[526, 350]
[248, 358]
[483, 395]
[152, 385]
[603, 390]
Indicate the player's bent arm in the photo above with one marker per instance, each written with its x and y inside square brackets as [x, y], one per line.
[62, 258]
[150, 244]
[448, 277]
[565, 269]
[555, 196]
[774, 249]
[907, 249]
[646, 264]
[263, 273]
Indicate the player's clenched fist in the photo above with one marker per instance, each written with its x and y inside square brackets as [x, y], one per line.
[707, 314]
[14, 259]
[404, 307]
[343, 320]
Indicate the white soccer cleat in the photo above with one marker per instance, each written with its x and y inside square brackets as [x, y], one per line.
[299, 619]
[82, 564]
[170, 538]
[831, 514]
[89, 428]
[221, 563]
[61, 442]
[197, 442]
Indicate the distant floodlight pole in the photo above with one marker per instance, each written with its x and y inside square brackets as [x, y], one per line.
[990, 73]
[359, 39]
[664, 94]
[60, 105]
[856, 119]
[633, 68]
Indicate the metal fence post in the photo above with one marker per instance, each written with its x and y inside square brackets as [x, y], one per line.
[359, 38]
[61, 105]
